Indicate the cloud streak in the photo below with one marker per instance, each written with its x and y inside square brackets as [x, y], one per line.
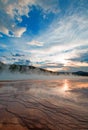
[35, 43]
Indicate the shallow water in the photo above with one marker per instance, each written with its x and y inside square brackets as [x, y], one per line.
[44, 105]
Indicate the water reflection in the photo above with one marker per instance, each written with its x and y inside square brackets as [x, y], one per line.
[44, 105]
[62, 89]
[66, 85]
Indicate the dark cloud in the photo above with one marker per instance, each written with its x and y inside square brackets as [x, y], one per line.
[17, 55]
[83, 57]
[77, 68]
[22, 62]
[52, 65]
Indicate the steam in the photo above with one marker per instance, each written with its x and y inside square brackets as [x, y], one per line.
[6, 75]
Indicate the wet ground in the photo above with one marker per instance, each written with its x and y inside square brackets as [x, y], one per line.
[44, 105]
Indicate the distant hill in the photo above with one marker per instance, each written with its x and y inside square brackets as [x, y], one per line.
[82, 73]
[23, 69]
[31, 69]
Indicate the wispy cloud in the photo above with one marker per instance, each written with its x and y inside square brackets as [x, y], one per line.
[65, 39]
[3, 45]
[64, 36]
[35, 43]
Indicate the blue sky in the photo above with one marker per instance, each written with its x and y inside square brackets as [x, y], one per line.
[49, 34]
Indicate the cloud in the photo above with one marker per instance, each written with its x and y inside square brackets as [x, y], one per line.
[76, 68]
[22, 62]
[62, 37]
[52, 66]
[1, 35]
[3, 45]
[15, 58]
[35, 43]
[81, 57]
[17, 54]
[16, 8]
[19, 31]
[48, 6]
[12, 12]
[66, 42]
[4, 30]
[63, 33]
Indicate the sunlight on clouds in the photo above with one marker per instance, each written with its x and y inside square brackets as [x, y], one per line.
[54, 69]
[4, 30]
[77, 64]
[35, 43]
[19, 31]
[63, 40]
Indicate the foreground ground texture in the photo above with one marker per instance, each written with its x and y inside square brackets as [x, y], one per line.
[44, 105]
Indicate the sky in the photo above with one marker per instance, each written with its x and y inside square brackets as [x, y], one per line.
[50, 34]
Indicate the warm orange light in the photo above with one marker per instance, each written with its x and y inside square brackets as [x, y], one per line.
[65, 87]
